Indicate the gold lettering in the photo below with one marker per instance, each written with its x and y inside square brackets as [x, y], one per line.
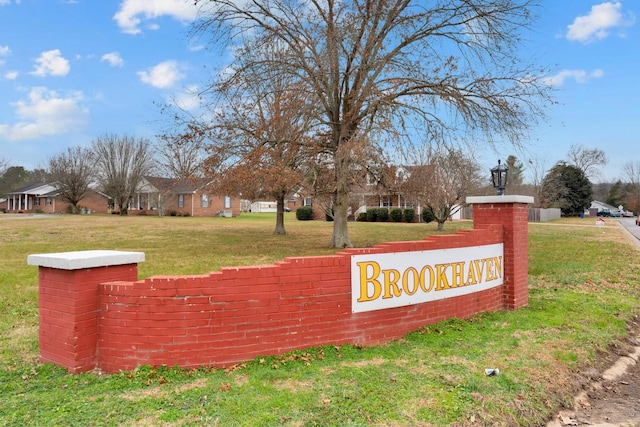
[471, 275]
[405, 281]
[442, 282]
[457, 274]
[365, 280]
[479, 264]
[432, 278]
[391, 280]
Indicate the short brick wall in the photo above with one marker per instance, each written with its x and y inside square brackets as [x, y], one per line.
[92, 319]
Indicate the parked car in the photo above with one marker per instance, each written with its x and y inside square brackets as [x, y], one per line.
[638, 220]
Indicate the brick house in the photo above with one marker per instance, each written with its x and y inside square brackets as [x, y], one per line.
[43, 197]
[183, 198]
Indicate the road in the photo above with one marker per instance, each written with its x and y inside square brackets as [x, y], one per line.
[614, 399]
[633, 230]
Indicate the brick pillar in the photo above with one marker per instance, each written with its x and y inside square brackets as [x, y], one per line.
[69, 302]
[512, 213]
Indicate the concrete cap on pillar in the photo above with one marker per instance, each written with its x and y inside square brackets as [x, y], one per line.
[476, 200]
[85, 259]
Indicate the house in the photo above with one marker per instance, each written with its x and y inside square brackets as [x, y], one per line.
[44, 198]
[187, 197]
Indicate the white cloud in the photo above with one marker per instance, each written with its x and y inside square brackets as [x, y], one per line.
[4, 52]
[132, 12]
[51, 63]
[163, 76]
[113, 58]
[596, 25]
[11, 75]
[189, 99]
[45, 113]
[580, 76]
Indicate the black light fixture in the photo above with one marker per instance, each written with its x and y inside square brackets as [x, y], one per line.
[499, 175]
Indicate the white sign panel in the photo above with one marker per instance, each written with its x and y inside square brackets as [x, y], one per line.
[380, 281]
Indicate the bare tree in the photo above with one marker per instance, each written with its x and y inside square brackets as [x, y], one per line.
[181, 156]
[587, 160]
[71, 172]
[4, 165]
[448, 67]
[261, 137]
[121, 162]
[439, 179]
[631, 171]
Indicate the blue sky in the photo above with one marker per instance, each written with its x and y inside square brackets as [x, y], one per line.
[74, 70]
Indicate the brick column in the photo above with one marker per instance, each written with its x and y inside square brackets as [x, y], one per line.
[69, 302]
[512, 213]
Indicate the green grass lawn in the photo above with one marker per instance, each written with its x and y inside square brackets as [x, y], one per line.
[583, 295]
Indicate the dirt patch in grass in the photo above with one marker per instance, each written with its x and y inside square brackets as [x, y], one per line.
[199, 383]
[366, 362]
[609, 393]
[292, 385]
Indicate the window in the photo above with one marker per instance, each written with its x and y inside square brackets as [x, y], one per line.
[181, 200]
[227, 202]
[37, 201]
[306, 201]
[204, 201]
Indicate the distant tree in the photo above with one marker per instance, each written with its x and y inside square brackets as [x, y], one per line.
[568, 188]
[181, 155]
[121, 163]
[261, 141]
[15, 177]
[587, 160]
[72, 172]
[439, 179]
[452, 68]
[631, 171]
[616, 194]
[4, 165]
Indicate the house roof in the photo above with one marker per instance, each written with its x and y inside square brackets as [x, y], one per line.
[37, 189]
[602, 205]
[176, 186]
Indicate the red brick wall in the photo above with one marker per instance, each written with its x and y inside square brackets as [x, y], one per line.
[216, 203]
[239, 313]
[68, 312]
[514, 218]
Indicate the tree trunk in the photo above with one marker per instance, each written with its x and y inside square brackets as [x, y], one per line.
[340, 238]
[280, 216]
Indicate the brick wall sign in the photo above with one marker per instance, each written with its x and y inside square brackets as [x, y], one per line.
[95, 313]
[380, 281]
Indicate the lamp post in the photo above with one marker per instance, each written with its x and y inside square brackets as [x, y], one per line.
[499, 175]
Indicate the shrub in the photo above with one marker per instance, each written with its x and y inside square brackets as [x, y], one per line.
[372, 214]
[396, 214]
[173, 213]
[383, 214]
[427, 216]
[362, 216]
[409, 214]
[304, 213]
